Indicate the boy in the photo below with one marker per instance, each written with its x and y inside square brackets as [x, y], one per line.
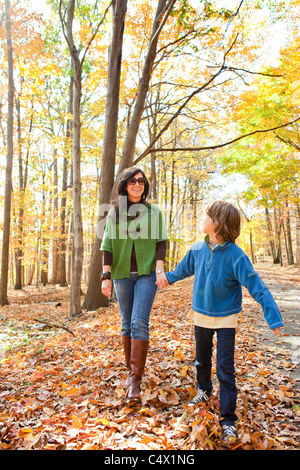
[221, 268]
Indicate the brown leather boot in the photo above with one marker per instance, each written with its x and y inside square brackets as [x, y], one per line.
[127, 353]
[139, 349]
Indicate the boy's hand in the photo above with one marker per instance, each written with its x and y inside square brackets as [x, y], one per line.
[161, 280]
[276, 331]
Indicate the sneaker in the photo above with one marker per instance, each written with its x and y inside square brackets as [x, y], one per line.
[229, 433]
[199, 398]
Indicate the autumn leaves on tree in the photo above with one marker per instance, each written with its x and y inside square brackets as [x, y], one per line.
[173, 85]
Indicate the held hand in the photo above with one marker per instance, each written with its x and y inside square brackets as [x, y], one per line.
[161, 280]
[106, 288]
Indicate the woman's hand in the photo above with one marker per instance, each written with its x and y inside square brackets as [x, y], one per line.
[106, 288]
[161, 280]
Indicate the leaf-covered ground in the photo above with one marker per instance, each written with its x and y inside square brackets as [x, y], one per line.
[60, 390]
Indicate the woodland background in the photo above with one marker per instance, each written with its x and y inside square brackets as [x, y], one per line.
[203, 95]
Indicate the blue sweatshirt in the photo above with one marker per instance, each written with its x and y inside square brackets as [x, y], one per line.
[219, 277]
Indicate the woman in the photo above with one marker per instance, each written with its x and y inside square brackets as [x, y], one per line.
[134, 249]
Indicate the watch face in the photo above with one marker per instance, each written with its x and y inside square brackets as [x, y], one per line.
[105, 276]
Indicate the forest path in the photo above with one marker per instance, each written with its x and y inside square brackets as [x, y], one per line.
[284, 283]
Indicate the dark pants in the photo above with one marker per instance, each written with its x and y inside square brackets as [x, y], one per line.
[225, 367]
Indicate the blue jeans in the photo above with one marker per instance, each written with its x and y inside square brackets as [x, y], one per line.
[135, 297]
[225, 367]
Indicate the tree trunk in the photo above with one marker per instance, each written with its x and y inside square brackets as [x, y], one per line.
[153, 108]
[23, 173]
[163, 184]
[9, 161]
[152, 135]
[75, 307]
[55, 225]
[251, 246]
[44, 254]
[270, 232]
[31, 273]
[75, 304]
[94, 297]
[19, 247]
[278, 224]
[290, 254]
[63, 234]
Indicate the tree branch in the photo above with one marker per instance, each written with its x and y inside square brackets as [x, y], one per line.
[63, 23]
[162, 21]
[188, 99]
[212, 147]
[236, 69]
[93, 36]
[69, 37]
[52, 325]
[288, 142]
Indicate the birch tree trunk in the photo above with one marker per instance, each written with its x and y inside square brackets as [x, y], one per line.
[9, 161]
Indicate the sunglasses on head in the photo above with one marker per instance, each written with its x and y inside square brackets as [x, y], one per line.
[133, 181]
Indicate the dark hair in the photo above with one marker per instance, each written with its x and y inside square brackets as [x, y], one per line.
[226, 218]
[126, 175]
[122, 183]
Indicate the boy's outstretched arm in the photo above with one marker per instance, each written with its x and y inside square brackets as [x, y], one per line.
[259, 291]
[184, 269]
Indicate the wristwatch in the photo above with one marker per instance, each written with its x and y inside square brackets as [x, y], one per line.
[159, 271]
[105, 275]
